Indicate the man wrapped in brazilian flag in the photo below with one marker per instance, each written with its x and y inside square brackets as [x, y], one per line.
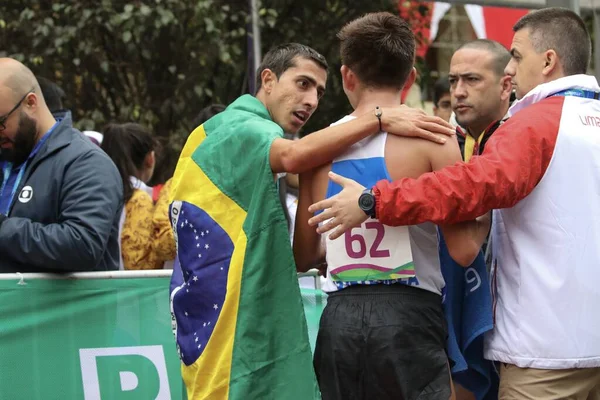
[240, 325]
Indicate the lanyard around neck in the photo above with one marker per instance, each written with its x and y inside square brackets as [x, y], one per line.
[586, 94]
[6, 175]
[8, 169]
[470, 144]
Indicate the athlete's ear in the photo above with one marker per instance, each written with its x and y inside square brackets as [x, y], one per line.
[348, 79]
[411, 78]
[268, 79]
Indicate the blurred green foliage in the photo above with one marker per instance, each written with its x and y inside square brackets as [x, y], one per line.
[159, 62]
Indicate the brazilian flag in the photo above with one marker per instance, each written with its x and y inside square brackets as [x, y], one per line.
[240, 325]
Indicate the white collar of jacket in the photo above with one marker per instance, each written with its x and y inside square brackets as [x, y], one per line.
[540, 92]
[138, 184]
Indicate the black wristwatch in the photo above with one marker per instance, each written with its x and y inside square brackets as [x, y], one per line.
[366, 202]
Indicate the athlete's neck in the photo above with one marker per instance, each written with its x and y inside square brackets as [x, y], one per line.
[371, 98]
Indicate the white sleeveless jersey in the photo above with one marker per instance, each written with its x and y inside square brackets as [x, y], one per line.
[374, 253]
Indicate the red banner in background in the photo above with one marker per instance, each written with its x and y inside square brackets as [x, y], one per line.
[493, 23]
[418, 16]
[499, 22]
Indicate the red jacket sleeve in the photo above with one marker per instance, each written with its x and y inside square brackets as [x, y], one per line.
[515, 160]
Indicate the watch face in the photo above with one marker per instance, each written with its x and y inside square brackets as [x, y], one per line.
[366, 201]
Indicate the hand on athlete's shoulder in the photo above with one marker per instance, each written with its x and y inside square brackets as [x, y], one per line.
[412, 122]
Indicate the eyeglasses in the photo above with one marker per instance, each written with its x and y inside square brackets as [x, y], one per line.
[5, 116]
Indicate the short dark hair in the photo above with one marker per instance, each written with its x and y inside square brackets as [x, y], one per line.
[53, 94]
[500, 53]
[379, 48]
[563, 31]
[440, 88]
[207, 113]
[282, 57]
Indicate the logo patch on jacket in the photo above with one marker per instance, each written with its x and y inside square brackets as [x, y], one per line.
[26, 194]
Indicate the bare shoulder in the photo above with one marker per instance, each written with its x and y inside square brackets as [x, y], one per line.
[406, 157]
[450, 146]
[441, 155]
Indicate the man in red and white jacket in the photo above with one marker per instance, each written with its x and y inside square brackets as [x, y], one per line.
[541, 173]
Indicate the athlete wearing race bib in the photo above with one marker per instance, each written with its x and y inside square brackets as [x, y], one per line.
[374, 253]
[541, 175]
[382, 334]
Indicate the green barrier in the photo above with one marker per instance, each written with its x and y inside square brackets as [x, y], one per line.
[88, 337]
[314, 302]
[92, 336]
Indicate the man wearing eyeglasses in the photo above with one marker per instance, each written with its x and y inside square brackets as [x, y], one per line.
[60, 196]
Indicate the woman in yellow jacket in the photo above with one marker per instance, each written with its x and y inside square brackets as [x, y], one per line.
[131, 147]
[166, 249]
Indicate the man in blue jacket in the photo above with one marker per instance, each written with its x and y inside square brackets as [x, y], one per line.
[60, 195]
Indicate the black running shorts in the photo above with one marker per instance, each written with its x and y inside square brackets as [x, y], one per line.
[379, 342]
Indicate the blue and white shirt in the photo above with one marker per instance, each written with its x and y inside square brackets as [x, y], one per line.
[374, 253]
